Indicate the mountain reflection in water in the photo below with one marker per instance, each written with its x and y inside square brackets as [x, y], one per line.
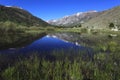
[48, 44]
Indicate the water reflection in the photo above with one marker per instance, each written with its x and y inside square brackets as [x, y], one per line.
[18, 40]
[50, 43]
[69, 37]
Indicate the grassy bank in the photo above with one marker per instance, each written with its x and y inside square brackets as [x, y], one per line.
[13, 35]
[78, 66]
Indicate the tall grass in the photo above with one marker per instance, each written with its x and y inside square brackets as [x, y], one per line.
[102, 66]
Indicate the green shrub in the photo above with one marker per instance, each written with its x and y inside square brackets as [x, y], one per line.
[84, 30]
[111, 25]
[10, 27]
[112, 46]
[49, 28]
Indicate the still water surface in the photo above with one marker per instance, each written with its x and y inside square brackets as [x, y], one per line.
[48, 44]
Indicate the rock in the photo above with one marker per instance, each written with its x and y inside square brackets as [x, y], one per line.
[112, 35]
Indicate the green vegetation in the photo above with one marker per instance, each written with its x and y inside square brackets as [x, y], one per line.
[102, 64]
[16, 35]
[20, 16]
[10, 27]
[77, 66]
[111, 25]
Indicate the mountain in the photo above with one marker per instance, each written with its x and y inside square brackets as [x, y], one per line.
[75, 19]
[104, 19]
[91, 19]
[20, 16]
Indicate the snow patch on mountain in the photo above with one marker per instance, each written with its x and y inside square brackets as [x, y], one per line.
[74, 19]
[14, 7]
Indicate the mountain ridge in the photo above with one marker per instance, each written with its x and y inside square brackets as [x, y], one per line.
[103, 20]
[77, 18]
[20, 16]
[100, 19]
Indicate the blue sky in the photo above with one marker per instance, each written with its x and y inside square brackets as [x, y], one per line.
[53, 9]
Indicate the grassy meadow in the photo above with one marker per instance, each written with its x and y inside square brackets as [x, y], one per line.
[103, 64]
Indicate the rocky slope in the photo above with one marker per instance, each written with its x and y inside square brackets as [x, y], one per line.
[75, 19]
[91, 19]
[104, 19]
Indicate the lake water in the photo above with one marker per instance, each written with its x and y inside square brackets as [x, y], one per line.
[48, 44]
